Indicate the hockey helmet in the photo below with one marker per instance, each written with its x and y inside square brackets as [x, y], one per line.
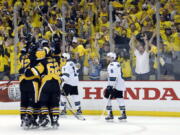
[112, 55]
[43, 42]
[66, 55]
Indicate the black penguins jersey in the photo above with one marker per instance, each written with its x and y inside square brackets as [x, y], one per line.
[24, 61]
[27, 69]
[48, 69]
[51, 69]
[24, 64]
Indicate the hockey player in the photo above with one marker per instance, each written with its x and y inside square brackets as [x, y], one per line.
[29, 85]
[48, 97]
[70, 84]
[115, 87]
[49, 93]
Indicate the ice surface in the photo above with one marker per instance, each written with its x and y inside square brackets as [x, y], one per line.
[95, 125]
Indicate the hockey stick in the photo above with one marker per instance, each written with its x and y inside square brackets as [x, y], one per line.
[71, 108]
[75, 115]
[104, 109]
[44, 17]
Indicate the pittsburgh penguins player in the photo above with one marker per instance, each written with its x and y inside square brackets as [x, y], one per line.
[49, 92]
[48, 95]
[115, 88]
[29, 85]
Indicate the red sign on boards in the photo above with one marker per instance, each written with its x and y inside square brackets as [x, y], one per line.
[11, 92]
[134, 93]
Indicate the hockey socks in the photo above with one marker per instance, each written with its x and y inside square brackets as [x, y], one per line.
[123, 113]
[110, 113]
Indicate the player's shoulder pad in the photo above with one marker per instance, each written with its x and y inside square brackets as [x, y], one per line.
[67, 65]
[111, 64]
[70, 63]
[116, 64]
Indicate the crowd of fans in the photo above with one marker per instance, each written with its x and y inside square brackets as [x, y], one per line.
[87, 34]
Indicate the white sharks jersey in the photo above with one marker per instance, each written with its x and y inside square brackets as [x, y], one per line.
[115, 77]
[70, 74]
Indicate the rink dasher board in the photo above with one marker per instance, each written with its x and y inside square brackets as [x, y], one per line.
[143, 98]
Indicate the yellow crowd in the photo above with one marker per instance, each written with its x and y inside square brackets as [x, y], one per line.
[91, 20]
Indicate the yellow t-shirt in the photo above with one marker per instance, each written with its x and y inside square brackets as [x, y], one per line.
[176, 42]
[86, 57]
[10, 2]
[52, 20]
[47, 35]
[118, 30]
[171, 42]
[126, 68]
[131, 33]
[165, 24]
[36, 21]
[1, 63]
[80, 50]
[12, 60]
[107, 24]
[101, 42]
[18, 3]
[116, 4]
[154, 49]
[6, 57]
[120, 59]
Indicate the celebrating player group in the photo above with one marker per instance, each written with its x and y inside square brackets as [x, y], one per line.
[45, 84]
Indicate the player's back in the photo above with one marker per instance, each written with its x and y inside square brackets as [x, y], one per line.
[51, 69]
[24, 65]
[114, 71]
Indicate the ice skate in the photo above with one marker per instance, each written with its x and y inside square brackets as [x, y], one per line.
[35, 125]
[22, 122]
[123, 117]
[26, 123]
[79, 112]
[44, 123]
[54, 122]
[110, 116]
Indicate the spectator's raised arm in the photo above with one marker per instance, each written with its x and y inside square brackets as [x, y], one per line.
[132, 43]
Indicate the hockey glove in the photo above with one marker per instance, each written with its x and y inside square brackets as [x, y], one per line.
[21, 70]
[28, 73]
[33, 63]
[110, 89]
[108, 92]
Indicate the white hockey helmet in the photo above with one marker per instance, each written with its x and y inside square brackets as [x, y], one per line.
[112, 55]
[66, 55]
